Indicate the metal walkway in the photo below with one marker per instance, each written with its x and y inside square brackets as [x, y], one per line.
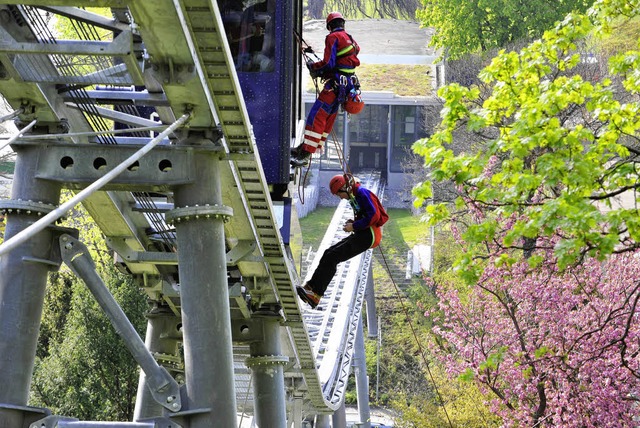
[65, 86]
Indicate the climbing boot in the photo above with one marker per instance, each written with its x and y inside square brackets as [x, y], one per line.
[308, 295]
[299, 157]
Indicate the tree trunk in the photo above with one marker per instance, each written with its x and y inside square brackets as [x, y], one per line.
[316, 8]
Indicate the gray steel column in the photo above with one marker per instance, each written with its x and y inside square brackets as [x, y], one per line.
[362, 381]
[23, 279]
[295, 413]
[206, 323]
[339, 418]
[266, 364]
[162, 337]
[323, 421]
[370, 299]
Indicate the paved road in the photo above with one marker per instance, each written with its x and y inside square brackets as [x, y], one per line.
[379, 39]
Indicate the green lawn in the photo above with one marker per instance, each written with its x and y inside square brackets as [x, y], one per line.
[410, 228]
[314, 226]
[402, 80]
[403, 227]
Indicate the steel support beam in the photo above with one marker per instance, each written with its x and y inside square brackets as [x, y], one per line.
[294, 419]
[163, 387]
[370, 299]
[23, 279]
[323, 421]
[199, 219]
[339, 418]
[163, 334]
[266, 364]
[362, 380]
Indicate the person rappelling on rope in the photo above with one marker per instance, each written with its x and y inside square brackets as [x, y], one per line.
[365, 232]
[341, 87]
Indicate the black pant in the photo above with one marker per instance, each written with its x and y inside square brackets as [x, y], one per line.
[350, 246]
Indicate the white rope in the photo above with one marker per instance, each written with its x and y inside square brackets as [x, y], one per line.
[92, 133]
[11, 115]
[18, 135]
[54, 215]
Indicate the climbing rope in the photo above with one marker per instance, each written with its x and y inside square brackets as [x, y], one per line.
[303, 180]
[415, 336]
[341, 158]
[305, 48]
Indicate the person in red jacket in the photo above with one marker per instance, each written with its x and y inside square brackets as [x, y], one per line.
[337, 70]
[369, 216]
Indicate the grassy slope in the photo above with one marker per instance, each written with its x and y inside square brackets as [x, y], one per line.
[403, 228]
[624, 36]
[403, 80]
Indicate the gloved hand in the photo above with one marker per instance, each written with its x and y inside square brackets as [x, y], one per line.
[312, 72]
[308, 49]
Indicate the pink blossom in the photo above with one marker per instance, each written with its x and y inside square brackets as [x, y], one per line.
[549, 348]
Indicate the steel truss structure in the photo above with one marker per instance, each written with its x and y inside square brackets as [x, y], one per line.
[182, 201]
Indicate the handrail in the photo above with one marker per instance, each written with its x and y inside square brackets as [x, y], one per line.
[11, 115]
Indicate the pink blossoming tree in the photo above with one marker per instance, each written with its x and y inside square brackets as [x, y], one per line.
[548, 348]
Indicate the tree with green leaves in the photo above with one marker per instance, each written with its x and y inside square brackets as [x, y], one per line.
[83, 369]
[556, 154]
[464, 26]
[88, 373]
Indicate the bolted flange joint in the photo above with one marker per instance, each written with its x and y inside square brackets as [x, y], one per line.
[198, 212]
[18, 206]
[267, 360]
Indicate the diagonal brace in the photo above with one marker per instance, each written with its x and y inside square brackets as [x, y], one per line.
[164, 388]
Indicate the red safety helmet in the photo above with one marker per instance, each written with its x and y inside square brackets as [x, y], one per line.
[353, 104]
[336, 183]
[332, 16]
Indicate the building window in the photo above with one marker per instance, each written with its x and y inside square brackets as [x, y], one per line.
[250, 33]
[367, 143]
[407, 126]
[370, 126]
